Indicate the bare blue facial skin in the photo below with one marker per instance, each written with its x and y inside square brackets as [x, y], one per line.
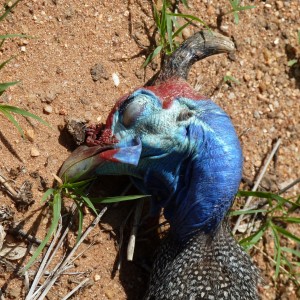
[187, 156]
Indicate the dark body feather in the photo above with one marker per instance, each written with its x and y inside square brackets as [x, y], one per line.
[209, 267]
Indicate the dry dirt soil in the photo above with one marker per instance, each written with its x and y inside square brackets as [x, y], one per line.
[67, 39]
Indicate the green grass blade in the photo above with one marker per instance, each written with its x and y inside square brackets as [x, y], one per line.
[277, 257]
[287, 234]
[53, 227]
[11, 118]
[248, 242]
[228, 78]
[152, 56]
[156, 16]
[80, 221]
[292, 62]
[25, 113]
[79, 184]
[278, 262]
[291, 251]
[190, 17]
[89, 203]
[266, 195]
[8, 10]
[236, 17]
[5, 85]
[117, 199]
[169, 25]
[247, 212]
[288, 219]
[163, 22]
[5, 62]
[179, 30]
[8, 36]
[47, 194]
[184, 2]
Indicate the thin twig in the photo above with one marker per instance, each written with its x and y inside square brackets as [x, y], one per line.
[82, 252]
[120, 243]
[20, 232]
[136, 223]
[65, 263]
[79, 286]
[257, 183]
[12, 192]
[273, 261]
[289, 186]
[26, 281]
[43, 264]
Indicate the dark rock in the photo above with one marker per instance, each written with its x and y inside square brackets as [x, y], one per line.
[99, 73]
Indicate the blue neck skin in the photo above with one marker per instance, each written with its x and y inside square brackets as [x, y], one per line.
[191, 166]
[196, 185]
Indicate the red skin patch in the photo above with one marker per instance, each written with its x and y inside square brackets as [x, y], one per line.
[109, 155]
[172, 89]
[98, 135]
[166, 91]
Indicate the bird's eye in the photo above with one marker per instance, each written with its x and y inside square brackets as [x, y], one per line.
[133, 111]
[184, 115]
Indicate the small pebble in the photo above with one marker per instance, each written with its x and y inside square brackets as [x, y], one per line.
[224, 28]
[115, 79]
[276, 41]
[62, 112]
[109, 293]
[98, 72]
[186, 33]
[256, 114]
[29, 134]
[139, 74]
[279, 4]
[231, 96]
[276, 104]
[97, 277]
[48, 109]
[257, 163]
[34, 152]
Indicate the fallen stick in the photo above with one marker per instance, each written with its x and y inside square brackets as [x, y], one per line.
[79, 286]
[12, 192]
[65, 262]
[257, 183]
[134, 229]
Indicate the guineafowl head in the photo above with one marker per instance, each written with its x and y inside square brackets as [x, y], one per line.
[176, 145]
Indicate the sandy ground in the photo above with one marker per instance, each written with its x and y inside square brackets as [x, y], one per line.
[67, 39]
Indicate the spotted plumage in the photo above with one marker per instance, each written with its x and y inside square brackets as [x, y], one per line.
[209, 266]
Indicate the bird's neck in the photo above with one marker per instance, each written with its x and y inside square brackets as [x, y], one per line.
[208, 182]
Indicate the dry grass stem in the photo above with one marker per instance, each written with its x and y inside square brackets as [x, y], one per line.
[11, 191]
[134, 229]
[62, 266]
[79, 286]
[257, 183]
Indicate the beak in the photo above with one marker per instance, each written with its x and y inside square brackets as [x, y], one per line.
[85, 161]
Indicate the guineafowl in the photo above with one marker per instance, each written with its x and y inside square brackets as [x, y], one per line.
[182, 149]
